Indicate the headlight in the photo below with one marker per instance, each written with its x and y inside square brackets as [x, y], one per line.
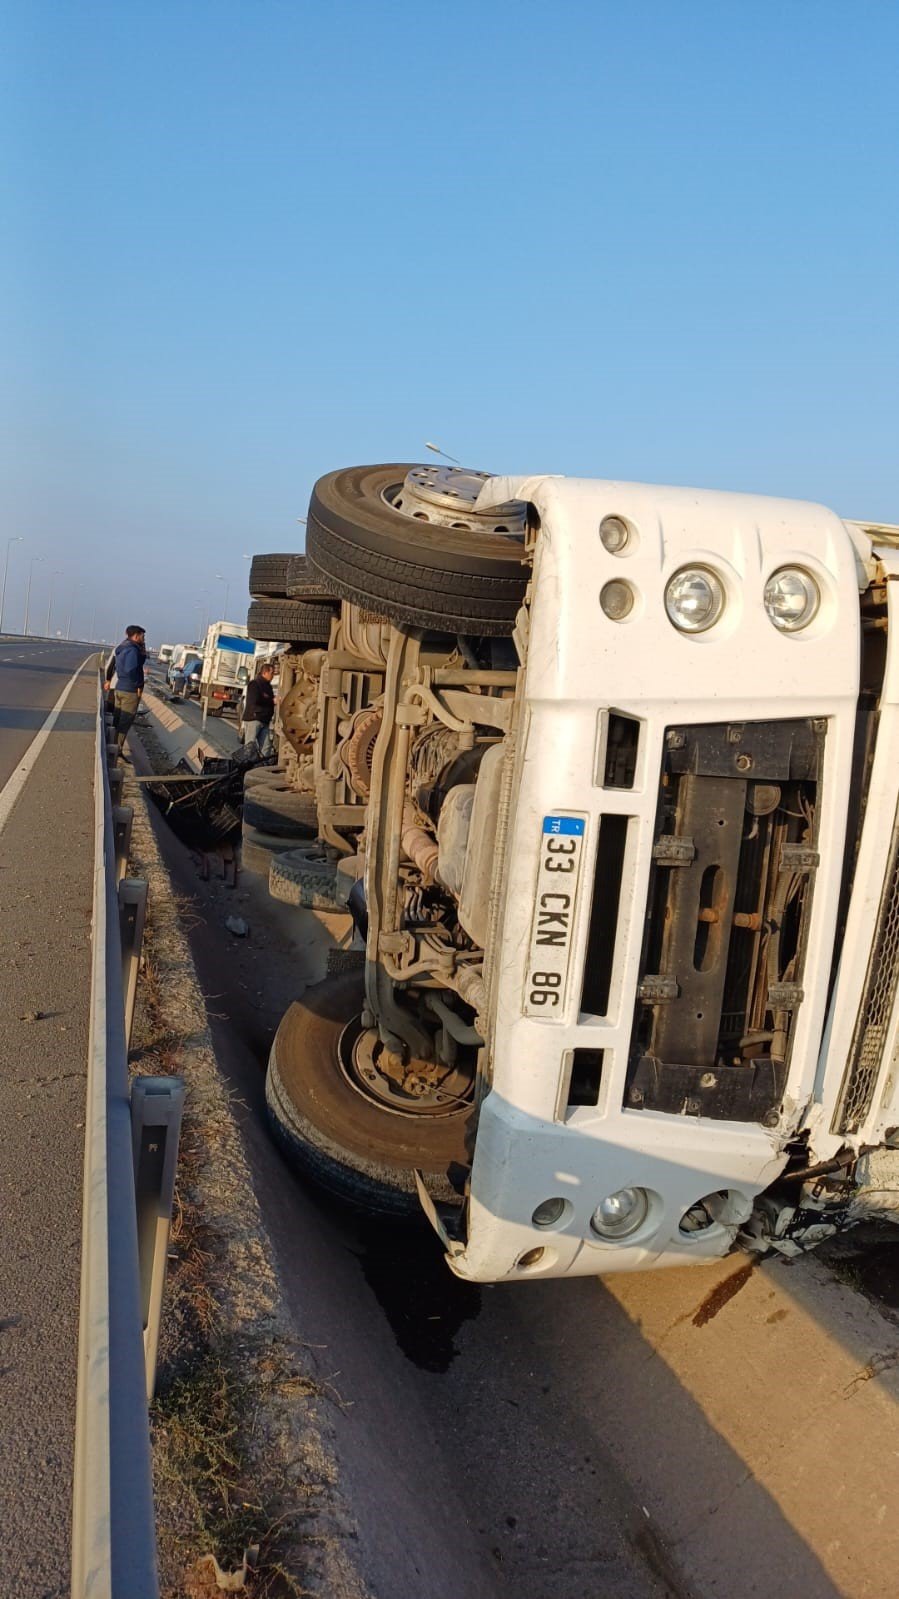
[694, 599]
[621, 1213]
[792, 598]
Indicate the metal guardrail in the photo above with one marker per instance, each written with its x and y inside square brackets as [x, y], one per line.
[131, 1140]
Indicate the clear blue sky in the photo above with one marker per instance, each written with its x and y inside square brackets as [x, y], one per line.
[251, 240]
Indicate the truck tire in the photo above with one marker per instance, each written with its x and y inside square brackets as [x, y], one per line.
[263, 774]
[268, 576]
[281, 811]
[257, 849]
[416, 572]
[305, 878]
[289, 622]
[358, 1151]
[302, 583]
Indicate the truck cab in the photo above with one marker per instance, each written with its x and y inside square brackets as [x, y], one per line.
[606, 774]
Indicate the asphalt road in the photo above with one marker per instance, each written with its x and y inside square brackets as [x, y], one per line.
[46, 858]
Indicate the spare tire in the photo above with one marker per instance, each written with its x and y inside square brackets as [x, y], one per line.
[289, 622]
[468, 577]
[268, 575]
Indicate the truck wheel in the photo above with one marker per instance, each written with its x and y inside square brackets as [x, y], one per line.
[302, 583]
[257, 849]
[263, 774]
[268, 576]
[330, 1121]
[305, 878]
[281, 811]
[289, 622]
[408, 543]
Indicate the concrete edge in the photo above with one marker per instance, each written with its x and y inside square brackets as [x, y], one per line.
[177, 737]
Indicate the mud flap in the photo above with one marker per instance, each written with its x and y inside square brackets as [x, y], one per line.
[452, 1246]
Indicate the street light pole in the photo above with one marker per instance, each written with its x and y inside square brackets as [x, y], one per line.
[50, 600]
[35, 560]
[75, 590]
[18, 539]
[220, 579]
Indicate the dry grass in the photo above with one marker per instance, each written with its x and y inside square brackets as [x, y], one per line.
[220, 1493]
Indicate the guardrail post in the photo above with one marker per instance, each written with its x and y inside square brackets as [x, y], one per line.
[112, 754]
[122, 823]
[116, 785]
[132, 915]
[156, 1107]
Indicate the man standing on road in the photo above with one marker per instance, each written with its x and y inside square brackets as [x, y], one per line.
[259, 710]
[129, 659]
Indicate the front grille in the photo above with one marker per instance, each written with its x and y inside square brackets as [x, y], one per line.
[730, 897]
[866, 1055]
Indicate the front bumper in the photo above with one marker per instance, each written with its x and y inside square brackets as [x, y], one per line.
[533, 1143]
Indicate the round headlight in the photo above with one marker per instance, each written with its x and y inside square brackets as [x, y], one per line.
[617, 600]
[792, 598]
[621, 1213]
[694, 599]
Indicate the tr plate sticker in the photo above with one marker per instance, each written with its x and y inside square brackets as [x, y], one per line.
[555, 904]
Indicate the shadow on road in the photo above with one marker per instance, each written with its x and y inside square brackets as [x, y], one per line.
[28, 721]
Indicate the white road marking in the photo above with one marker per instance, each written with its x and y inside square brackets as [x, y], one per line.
[14, 784]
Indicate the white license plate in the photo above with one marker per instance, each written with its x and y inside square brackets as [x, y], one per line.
[552, 930]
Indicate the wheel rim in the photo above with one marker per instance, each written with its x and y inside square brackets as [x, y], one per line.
[358, 1053]
[447, 495]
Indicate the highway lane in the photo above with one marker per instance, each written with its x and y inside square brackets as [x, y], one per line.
[46, 862]
[33, 674]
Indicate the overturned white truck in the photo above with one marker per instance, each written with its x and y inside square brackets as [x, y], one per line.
[607, 775]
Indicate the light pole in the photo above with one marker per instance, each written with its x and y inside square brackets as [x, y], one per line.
[203, 600]
[57, 573]
[436, 450]
[35, 560]
[76, 590]
[18, 539]
[220, 579]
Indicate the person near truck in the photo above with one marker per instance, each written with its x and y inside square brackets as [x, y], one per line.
[259, 710]
[129, 658]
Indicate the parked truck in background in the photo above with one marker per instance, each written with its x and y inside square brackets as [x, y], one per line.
[608, 777]
[227, 656]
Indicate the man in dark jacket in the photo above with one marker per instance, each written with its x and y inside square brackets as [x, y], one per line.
[259, 710]
[129, 659]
